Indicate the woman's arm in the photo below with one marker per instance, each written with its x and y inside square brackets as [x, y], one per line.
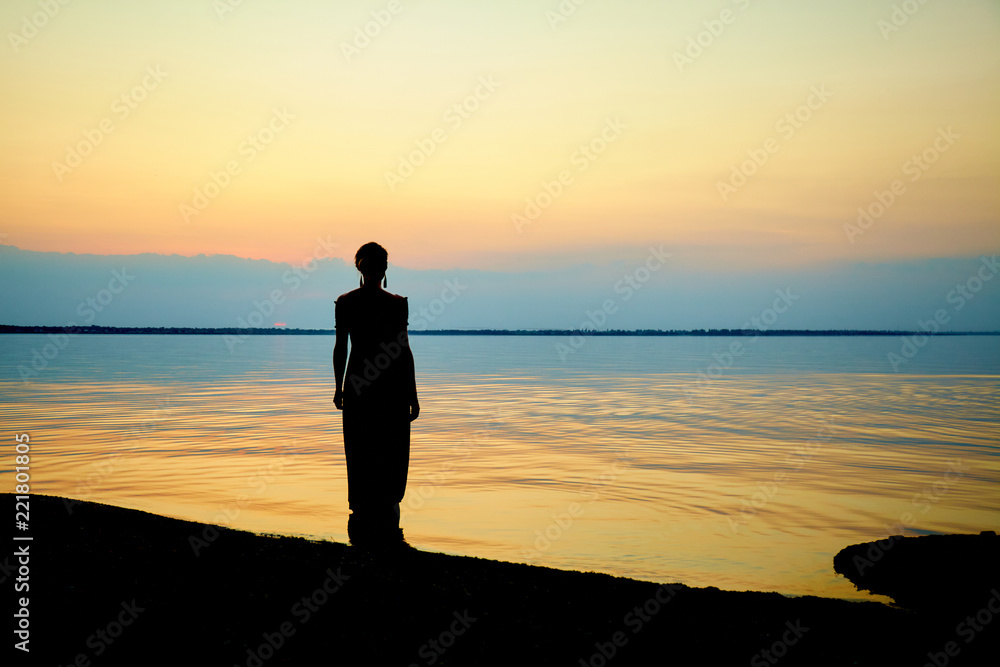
[408, 365]
[340, 359]
[411, 374]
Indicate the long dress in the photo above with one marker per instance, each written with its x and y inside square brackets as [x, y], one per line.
[378, 385]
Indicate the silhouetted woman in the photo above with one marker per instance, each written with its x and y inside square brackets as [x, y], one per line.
[378, 396]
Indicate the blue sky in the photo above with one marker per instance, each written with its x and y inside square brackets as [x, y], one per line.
[651, 289]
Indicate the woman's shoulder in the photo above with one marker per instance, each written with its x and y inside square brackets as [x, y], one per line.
[359, 293]
[400, 304]
[347, 296]
[389, 296]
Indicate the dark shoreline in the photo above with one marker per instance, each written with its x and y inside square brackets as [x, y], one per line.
[282, 331]
[166, 591]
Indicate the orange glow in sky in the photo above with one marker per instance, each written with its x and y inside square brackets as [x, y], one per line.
[483, 134]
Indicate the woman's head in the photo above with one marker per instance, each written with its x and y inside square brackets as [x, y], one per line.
[371, 260]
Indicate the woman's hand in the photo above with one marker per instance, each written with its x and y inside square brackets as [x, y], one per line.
[414, 408]
[338, 399]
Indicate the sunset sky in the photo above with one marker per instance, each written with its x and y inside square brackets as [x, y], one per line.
[116, 115]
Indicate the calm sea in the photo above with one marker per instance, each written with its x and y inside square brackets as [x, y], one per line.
[670, 459]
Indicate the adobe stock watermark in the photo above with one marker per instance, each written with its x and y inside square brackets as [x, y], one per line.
[627, 287]
[635, 620]
[921, 502]
[31, 25]
[294, 278]
[432, 651]
[562, 522]
[791, 636]
[753, 503]
[391, 350]
[699, 43]
[114, 461]
[104, 637]
[454, 118]
[302, 611]
[899, 17]
[262, 477]
[364, 34]
[121, 108]
[963, 293]
[915, 167]
[967, 629]
[419, 493]
[249, 149]
[562, 12]
[582, 158]
[786, 127]
[103, 470]
[85, 487]
[436, 308]
[86, 309]
[373, 368]
[225, 7]
[726, 358]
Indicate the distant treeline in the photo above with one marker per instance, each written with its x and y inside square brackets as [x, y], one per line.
[283, 331]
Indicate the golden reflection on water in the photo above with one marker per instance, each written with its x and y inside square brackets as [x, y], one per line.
[630, 476]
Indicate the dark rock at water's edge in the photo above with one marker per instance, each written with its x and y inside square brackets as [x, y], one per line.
[950, 582]
[927, 573]
[114, 586]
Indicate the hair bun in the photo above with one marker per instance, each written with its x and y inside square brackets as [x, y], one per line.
[371, 253]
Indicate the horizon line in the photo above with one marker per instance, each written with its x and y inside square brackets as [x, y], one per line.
[271, 331]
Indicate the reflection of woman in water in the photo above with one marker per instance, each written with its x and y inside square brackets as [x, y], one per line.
[378, 397]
